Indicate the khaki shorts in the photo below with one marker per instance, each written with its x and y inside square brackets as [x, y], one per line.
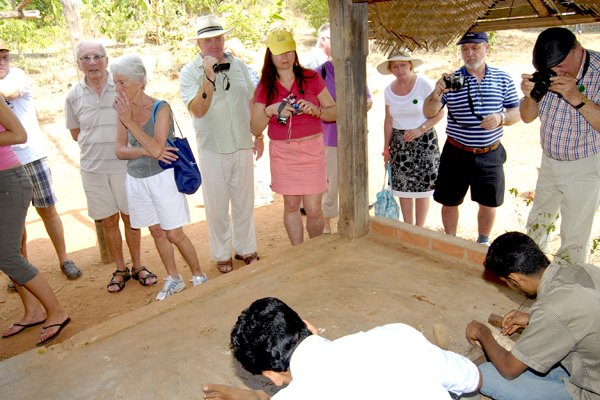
[105, 194]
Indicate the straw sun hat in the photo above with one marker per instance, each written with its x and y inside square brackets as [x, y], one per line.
[208, 26]
[403, 55]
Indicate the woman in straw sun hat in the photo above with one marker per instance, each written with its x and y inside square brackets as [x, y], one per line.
[410, 143]
[296, 149]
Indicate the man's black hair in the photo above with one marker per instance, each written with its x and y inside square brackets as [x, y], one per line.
[515, 252]
[265, 336]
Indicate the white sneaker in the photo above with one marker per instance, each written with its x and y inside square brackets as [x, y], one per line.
[259, 201]
[199, 279]
[172, 286]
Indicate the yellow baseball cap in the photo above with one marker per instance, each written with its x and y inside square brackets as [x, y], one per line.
[3, 45]
[280, 42]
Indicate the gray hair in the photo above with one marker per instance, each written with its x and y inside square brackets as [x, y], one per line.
[324, 28]
[100, 45]
[130, 66]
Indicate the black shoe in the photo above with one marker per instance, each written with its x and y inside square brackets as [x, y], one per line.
[302, 211]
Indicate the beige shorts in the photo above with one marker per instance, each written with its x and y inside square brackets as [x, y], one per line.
[105, 194]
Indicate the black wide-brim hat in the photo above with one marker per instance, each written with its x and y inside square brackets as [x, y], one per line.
[552, 47]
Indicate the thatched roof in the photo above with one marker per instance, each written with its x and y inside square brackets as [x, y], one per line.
[434, 24]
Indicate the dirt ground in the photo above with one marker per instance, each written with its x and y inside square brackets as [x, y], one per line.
[86, 298]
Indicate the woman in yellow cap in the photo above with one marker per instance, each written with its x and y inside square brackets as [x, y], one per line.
[292, 101]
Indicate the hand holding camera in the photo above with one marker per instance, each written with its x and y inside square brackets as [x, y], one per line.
[455, 82]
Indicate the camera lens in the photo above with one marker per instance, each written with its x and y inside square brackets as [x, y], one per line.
[539, 90]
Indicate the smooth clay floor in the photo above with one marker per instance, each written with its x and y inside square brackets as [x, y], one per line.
[170, 348]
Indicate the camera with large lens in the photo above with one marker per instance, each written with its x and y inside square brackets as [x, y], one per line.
[221, 67]
[455, 82]
[542, 83]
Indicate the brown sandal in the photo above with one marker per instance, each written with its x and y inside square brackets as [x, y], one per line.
[126, 276]
[248, 259]
[225, 266]
[135, 274]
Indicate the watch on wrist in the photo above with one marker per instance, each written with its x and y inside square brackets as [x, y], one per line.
[584, 101]
[424, 127]
[503, 118]
[261, 136]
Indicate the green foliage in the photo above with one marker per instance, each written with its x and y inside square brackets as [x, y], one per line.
[118, 17]
[24, 36]
[316, 11]
[250, 19]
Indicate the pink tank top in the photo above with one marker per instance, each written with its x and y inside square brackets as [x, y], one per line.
[8, 158]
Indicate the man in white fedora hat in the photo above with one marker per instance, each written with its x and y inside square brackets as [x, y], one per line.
[218, 91]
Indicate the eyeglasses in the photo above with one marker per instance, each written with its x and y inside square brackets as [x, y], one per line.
[5, 59]
[88, 58]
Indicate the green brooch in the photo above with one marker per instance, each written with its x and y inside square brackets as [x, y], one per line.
[581, 88]
[301, 91]
[415, 101]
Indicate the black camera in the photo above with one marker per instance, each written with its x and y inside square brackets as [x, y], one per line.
[221, 67]
[542, 83]
[455, 82]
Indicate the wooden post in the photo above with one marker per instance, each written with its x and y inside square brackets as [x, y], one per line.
[105, 254]
[73, 17]
[349, 38]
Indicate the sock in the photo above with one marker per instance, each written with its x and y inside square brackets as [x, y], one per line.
[483, 239]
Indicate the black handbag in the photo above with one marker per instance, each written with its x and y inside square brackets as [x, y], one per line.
[187, 174]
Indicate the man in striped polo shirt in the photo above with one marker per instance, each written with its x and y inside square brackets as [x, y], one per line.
[473, 155]
[219, 101]
[569, 177]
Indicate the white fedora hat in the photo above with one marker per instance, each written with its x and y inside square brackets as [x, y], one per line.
[402, 55]
[208, 26]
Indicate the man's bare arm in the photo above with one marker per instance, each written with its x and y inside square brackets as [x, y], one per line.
[75, 133]
[8, 90]
[507, 365]
[222, 392]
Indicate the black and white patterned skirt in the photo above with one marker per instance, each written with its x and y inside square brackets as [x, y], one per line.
[415, 164]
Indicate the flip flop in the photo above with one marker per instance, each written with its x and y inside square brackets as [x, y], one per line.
[55, 334]
[24, 327]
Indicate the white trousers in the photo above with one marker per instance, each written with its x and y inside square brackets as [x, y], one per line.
[228, 179]
[573, 189]
[330, 203]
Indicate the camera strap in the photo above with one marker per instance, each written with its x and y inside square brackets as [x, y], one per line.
[471, 106]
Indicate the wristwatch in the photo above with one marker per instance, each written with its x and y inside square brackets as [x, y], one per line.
[503, 118]
[584, 101]
[424, 127]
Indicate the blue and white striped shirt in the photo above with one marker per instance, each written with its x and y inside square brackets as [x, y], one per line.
[492, 95]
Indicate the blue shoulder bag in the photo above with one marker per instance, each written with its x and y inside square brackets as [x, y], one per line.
[187, 174]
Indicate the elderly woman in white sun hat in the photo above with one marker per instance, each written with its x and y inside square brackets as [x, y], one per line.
[217, 90]
[411, 143]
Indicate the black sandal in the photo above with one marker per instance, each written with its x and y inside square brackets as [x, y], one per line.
[135, 275]
[126, 276]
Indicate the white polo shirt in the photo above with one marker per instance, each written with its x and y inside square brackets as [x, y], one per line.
[97, 119]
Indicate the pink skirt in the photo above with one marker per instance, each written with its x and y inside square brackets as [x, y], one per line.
[298, 168]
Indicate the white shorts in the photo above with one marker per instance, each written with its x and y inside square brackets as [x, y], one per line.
[105, 194]
[156, 200]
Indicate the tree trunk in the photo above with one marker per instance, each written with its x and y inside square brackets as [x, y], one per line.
[73, 17]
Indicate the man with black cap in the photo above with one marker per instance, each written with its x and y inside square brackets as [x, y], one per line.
[481, 100]
[569, 177]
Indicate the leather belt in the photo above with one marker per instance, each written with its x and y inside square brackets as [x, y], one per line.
[474, 150]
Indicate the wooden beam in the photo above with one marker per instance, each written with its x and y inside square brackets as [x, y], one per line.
[540, 7]
[526, 23]
[105, 254]
[27, 14]
[349, 31]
